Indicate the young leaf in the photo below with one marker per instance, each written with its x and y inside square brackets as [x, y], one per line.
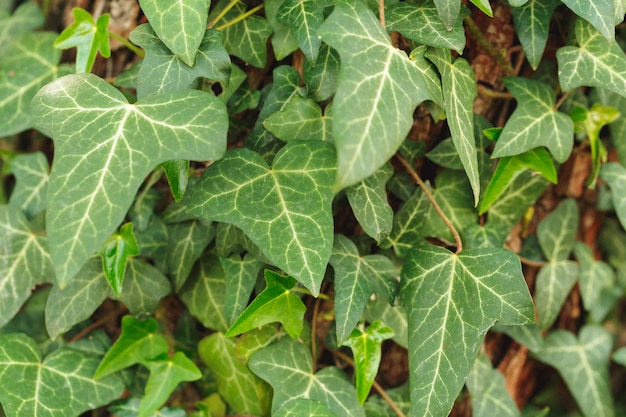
[535, 122]
[89, 38]
[532, 22]
[557, 232]
[289, 360]
[600, 13]
[583, 364]
[138, 343]
[31, 178]
[484, 6]
[366, 349]
[105, 145]
[304, 17]
[115, 252]
[285, 210]
[378, 89]
[436, 288]
[594, 276]
[356, 279]
[275, 303]
[187, 242]
[488, 391]
[596, 62]
[321, 76]
[180, 24]
[615, 175]
[554, 283]
[240, 278]
[61, 385]
[300, 119]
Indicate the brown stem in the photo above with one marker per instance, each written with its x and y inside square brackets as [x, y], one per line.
[484, 43]
[93, 326]
[482, 90]
[316, 308]
[561, 100]
[381, 13]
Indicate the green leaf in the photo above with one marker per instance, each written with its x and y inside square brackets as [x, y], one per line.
[300, 119]
[240, 278]
[285, 210]
[600, 13]
[557, 232]
[24, 261]
[393, 316]
[528, 335]
[105, 146]
[484, 6]
[129, 407]
[163, 71]
[288, 360]
[203, 293]
[115, 252]
[618, 127]
[437, 287]
[239, 387]
[31, 178]
[58, 386]
[593, 277]
[615, 175]
[304, 18]
[180, 24]
[379, 88]
[535, 122]
[144, 286]
[554, 283]
[459, 90]
[356, 279]
[366, 349]
[283, 41]
[138, 344]
[448, 11]
[368, 200]
[27, 17]
[422, 23]
[277, 302]
[321, 76]
[187, 242]
[165, 375]
[596, 62]
[532, 22]
[301, 407]
[583, 364]
[177, 173]
[619, 356]
[88, 36]
[488, 391]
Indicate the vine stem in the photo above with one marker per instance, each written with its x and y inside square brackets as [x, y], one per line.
[561, 100]
[316, 309]
[484, 43]
[381, 13]
[241, 17]
[447, 222]
[222, 13]
[138, 51]
[93, 326]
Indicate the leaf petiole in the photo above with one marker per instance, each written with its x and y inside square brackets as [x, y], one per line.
[138, 51]
[241, 17]
[222, 13]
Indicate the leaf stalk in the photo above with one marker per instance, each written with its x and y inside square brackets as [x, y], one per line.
[241, 17]
[138, 51]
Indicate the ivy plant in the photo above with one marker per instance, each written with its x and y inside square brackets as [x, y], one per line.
[313, 208]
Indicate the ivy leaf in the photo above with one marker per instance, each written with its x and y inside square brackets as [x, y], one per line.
[488, 391]
[187, 242]
[618, 127]
[277, 302]
[240, 279]
[271, 203]
[138, 344]
[459, 90]
[304, 18]
[129, 407]
[557, 232]
[58, 386]
[88, 36]
[300, 119]
[619, 356]
[368, 200]
[535, 122]
[31, 182]
[301, 407]
[289, 360]
[180, 24]
[436, 287]
[594, 276]
[321, 76]
[163, 71]
[24, 261]
[422, 23]
[366, 349]
[177, 174]
[27, 17]
[283, 41]
[532, 22]
[373, 109]
[115, 252]
[448, 11]
[484, 6]
[596, 62]
[356, 279]
[144, 286]
[105, 145]
[554, 283]
[583, 364]
[615, 176]
[527, 335]
[248, 394]
[600, 13]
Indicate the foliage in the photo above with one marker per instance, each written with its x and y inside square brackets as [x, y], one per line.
[228, 215]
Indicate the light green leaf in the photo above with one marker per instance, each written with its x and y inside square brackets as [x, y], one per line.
[535, 122]
[488, 391]
[476, 236]
[583, 364]
[138, 344]
[445, 155]
[58, 386]
[187, 242]
[448, 11]
[239, 387]
[29, 64]
[283, 41]
[593, 277]
[177, 174]
[88, 36]
[379, 88]
[129, 407]
[300, 119]
[600, 13]
[484, 6]
[619, 356]
[276, 303]
[366, 350]
[288, 360]
[104, 147]
[304, 17]
[165, 375]
[301, 407]
[321, 76]
[393, 316]
[31, 182]
[532, 22]
[528, 335]
[618, 127]
[422, 23]
[115, 252]
[437, 287]
[24, 261]
[554, 283]
[180, 24]
[368, 200]
[356, 279]
[557, 232]
[459, 91]
[240, 278]
[144, 286]
[285, 210]
[27, 17]
[596, 62]
[615, 175]
[163, 71]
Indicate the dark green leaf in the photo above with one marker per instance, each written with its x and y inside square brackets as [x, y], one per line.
[557, 232]
[31, 178]
[300, 119]
[240, 275]
[615, 175]
[488, 391]
[554, 283]
[593, 277]
[304, 17]
[532, 21]
[283, 41]
[321, 76]
[187, 242]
